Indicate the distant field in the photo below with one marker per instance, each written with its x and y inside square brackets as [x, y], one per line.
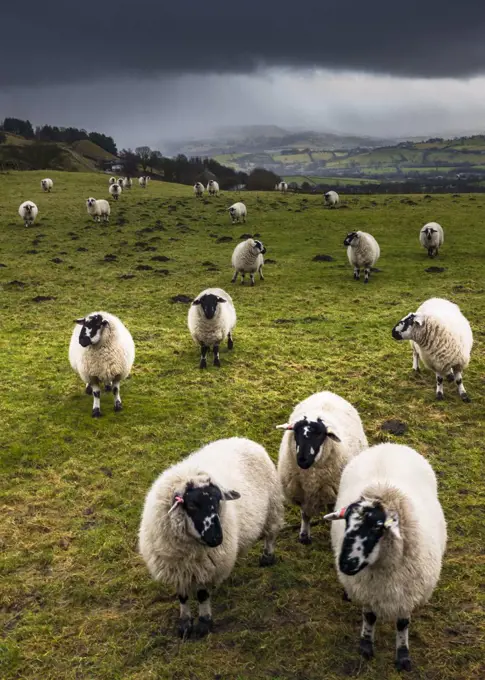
[338, 181]
[87, 148]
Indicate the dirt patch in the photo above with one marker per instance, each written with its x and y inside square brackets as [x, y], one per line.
[2, 265]
[394, 426]
[184, 299]
[16, 284]
[57, 260]
[110, 257]
[125, 277]
[323, 258]
[160, 258]
[224, 239]
[144, 268]
[43, 298]
[435, 270]
[270, 261]
[246, 236]
[82, 250]
[31, 252]
[162, 272]
[408, 201]
[304, 319]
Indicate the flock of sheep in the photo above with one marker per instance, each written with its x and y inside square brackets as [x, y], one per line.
[388, 529]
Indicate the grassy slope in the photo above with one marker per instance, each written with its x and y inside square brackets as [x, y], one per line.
[76, 600]
[87, 148]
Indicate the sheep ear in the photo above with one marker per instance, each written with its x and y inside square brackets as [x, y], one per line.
[333, 435]
[219, 299]
[392, 523]
[105, 322]
[418, 319]
[80, 321]
[196, 302]
[230, 495]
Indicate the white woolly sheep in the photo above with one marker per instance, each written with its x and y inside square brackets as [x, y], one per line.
[362, 251]
[202, 513]
[442, 338]
[112, 180]
[46, 184]
[432, 238]
[332, 199]
[198, 190]
[115, 191]
[147, 178]
[213, 188]
[238, 212]
[323, 433]
[389, 548]
[98, 209]
[120, 181]
[142, 181]
[283, 187]
[127, 183]
[28, 211]
[101, 351]
[211, 320]
[247, 258]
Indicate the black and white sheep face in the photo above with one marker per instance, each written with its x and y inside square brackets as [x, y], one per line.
[91, 202]
[209, 304]
[28, 208]
[429, 231]
[365, 524]
[310, 436]
[259, 247]
[351, 239]
[404, 329]
[202, 507]
[92, 329]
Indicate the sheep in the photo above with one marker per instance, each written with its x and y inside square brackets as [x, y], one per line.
[332, 199]
[147, 178]
[120, 181]
[213, 188]
[388, 553]
[238, 212]
[98, 209]
[432, 238]
[142, 181]
[202, 513]
[282, 186]
[28, 211]
[127, 183]
[211, 319]
[101, 350]
[46, 185]
[115, 191]
[362, 251]
[248, 258]
[112, 180]
[198, 190]
[323, 433]
[442, 338]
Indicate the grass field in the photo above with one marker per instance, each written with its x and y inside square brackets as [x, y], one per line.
[337, 181]
[76, 600]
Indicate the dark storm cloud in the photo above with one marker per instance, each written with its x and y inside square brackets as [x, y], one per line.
[60, 41]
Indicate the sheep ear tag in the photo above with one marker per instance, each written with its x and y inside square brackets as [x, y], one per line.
[286, 426]
[392, 524]
[178, 500]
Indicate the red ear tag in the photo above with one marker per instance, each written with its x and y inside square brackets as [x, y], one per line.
[342, 512]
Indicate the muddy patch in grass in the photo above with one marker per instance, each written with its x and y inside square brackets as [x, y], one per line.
[16, 284]
[303, 319]
[435, 270]
[323, 258]
[160, 258]
[184, 299]
[43, 298]
[394, 426]
[224, 239]
[125, 277]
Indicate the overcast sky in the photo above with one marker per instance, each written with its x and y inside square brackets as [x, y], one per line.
[151, 73]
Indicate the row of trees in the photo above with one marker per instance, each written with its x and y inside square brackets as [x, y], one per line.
[52, 133]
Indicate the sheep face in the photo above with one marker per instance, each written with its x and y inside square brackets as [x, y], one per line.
[405, 329]
[259, 247]
[366, 522]
[91, 202]
[202, 506]
[28, 209]
[429, 231]
[92, 329]
[351, 239]
[310, 436]
[209, 304]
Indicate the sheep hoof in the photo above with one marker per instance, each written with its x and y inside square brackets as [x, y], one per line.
[118, 406]
[465, 398]
[366, 649]
[217, 362]
[203, 363]
[439, 396]
[267, 560]
[305, 539]
[366, 280]
[403, 662]
[230, 344]
[185, 628]
[89, 390]
[203, 626]
[96, 412]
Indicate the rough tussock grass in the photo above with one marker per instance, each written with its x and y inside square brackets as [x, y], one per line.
[76, 600]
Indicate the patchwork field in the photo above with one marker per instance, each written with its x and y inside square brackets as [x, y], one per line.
[76, 600]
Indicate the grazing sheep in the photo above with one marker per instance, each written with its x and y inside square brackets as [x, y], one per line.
[248, 258]
[332, 199]
[202, 513]
[213, 188]
[101, 350]
[142, 181]
[28, 211]
[211, 319]
[127, 183]
[98, 209]
[120, 181]
[46, 185]
[147, 178]
[283, 187]
[442, 338]
[323, 433]
[362, 251]
[112, 180]
[115, 191]
[389, 548]
[238, 212]
[198, 190]
[432, 238]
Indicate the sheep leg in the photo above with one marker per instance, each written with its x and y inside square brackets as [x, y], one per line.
[261, 273]
[203, 355]
[217, 361]
[89, 389]
[366, 645]
[116, 393]
[459, 384]
[430, 252]
[94, 383]
[403, 662]
[415, 360]
[205, 623]
[251, 276]
[242, 278]
[366, 274]
[185, 620]
[234, 278]
[305, 532]
[267, 558]
[356, 273]
[439, 386]
[230, 341]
